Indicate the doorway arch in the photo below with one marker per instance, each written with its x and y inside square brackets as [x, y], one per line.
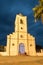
[21, 48]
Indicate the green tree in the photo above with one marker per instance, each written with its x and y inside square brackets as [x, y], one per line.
[38, 11]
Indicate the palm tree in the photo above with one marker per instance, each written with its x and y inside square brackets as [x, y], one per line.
[38, 11]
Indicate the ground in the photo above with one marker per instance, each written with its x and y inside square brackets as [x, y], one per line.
[21, 60]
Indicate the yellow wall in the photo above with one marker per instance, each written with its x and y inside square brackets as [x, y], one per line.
[31, 45]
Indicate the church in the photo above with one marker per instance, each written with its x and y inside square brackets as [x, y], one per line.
[20, 41]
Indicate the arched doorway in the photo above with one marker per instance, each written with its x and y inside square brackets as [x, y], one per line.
[21, 48]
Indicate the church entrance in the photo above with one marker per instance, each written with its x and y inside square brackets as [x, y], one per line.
[21, 49]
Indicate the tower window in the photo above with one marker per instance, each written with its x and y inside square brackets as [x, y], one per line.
[21, 21]
[21, 28]
[21, 36]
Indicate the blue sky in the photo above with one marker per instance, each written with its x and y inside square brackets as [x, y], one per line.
[8, 11]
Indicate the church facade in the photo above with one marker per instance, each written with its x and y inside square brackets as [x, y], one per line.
[20, 42]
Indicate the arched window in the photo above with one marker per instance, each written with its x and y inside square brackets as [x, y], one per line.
[21, 21]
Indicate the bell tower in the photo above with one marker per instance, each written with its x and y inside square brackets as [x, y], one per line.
[21, 23]
[21, 30]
